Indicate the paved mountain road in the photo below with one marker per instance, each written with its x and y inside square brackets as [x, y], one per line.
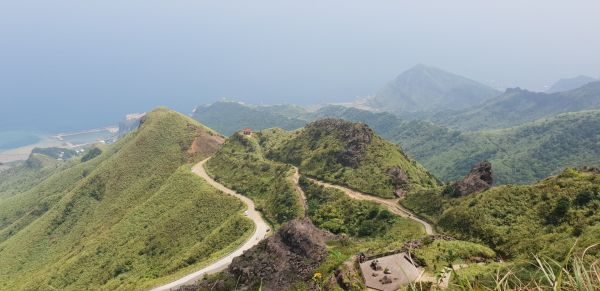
[259, 233]
[391, 204]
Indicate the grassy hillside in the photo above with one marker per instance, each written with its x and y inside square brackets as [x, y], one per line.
[126, 219]
[544, 218]
[229, 117]
[31, 191]
[332, 210]
[27, 174]
[351, 154]
[241, 165]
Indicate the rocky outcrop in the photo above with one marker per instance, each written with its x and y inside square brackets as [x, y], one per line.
[399, 180]
[206, 143]
[588, 169]
[290, 255]
[355, 138]
[478, 180]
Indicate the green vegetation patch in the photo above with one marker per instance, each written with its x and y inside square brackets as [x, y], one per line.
[438, 254]
[351, 154]
[331, 209]
[229, 117]
[544, 218]
[240, 165]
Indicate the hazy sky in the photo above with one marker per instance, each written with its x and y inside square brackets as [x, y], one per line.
[74, 64]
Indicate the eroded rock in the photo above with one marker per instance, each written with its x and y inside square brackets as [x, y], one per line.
[290, 255]
[478, 180]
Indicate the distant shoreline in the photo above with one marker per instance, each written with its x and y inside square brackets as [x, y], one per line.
[23, 152]
[66, 140]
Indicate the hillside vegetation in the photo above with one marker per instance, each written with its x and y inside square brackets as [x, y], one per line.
[518, 106]
[126, 219]
[351, 154]
[229, 117]
[521, 154]
[241, 165]
[25, 175]
[545, 218]
[332, 210]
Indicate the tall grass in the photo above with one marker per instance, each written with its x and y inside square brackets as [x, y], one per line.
[576, 272]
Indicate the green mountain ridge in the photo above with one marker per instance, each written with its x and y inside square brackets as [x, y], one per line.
[518, 106]
[127, 219]
[351, 154]
[568, 84]
[230, 117]
[520, 154]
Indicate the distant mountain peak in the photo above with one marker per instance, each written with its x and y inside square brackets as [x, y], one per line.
[568, 84]
[427, 88]
[421, 66]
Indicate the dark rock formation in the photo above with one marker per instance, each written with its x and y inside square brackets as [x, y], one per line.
[385, 280]
[291, 255]
[588, 169]
[399, 180]
[345, 277]
[478, 180]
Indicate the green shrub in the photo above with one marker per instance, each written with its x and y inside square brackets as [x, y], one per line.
[92, 153]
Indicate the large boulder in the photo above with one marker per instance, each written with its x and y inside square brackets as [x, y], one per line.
[478, 180]
[400, 181]
[290, 255]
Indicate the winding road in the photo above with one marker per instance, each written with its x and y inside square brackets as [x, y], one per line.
[262, 228]
[391, 204]
[259, 233]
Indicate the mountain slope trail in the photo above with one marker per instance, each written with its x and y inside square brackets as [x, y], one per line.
[391, 204]
[259, 233]
[296, 180]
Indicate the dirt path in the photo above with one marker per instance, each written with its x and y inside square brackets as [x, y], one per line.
[391, 204]
[296, 180]
[259, 233]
